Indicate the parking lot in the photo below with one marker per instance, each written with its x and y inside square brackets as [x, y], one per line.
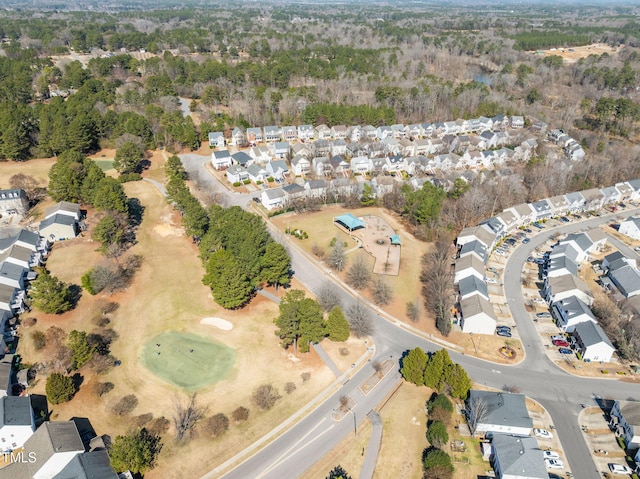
[600, 439]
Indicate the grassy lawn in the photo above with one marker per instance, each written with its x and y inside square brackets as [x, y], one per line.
[105, 165]
[38, 168]
[167, 295]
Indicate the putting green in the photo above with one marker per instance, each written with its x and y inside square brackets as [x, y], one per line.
[187, 360]
[105, 165]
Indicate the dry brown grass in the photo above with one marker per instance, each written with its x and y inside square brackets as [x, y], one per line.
[581, 52]
[167, 294]
[38, 168]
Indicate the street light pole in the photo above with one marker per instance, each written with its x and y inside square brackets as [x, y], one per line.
[355, 423]
[474, 343]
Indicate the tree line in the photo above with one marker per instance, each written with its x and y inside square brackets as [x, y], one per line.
[236, 249]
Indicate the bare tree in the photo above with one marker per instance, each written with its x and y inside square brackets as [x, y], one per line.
[381, 291]
[477, 412]
[378, 367]
[328, 296]
[336, 258]
[359, 320]
[125, 405]
[240, 413]
[217, 424]
[413, 310]
[266, 396]
[359, 274]
[437, 286]
[186, 416]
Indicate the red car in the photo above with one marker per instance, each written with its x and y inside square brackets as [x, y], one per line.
[560, 342]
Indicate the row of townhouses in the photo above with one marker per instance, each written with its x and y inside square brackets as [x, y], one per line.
[273, 133]
[476, 243]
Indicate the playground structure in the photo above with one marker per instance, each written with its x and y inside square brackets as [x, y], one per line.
[376, 237]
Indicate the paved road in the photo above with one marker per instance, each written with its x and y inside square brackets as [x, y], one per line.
[536, 376]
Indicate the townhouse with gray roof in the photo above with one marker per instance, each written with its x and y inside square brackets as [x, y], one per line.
[17, 422]
[630, 227]
[625, 421]
[502, 413]
[517, 457]
[14, 201]
[570, 312]
[592, 343]
[472, 286]
[478, 316]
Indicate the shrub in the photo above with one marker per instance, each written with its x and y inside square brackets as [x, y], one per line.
[236, 183]
[28, 322]
[104, 388]
[39, 340]
[143, 419]
[265, 396]
[59, 388]
[127, 177]
[125, 405]
[87, 282]
[621, 443]
[246, 182]
[437, 434]
[305, 377]
[317, 251]
[289, 387]
[270, 179]
[258, 183]
[218, 424]
[158, 426]
[241, 413]
[344, 351]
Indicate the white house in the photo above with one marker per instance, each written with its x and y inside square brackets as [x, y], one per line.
[469, 265]
[631, 227]
[236, 174]
[289, 133]
[561, 287]
[238, 137]
[305, 132]
[322, 132]
[339, 132]
[300, 165]
[273, 198]
[361, 164]
[216, 139]
[571, 311]
[625, 420]
[17, 423]
[254, 136]
[478, 316]
[59, 227]
[256, 173]
[472, 286]
[277, 169]
[260, 154]
[272, 133]
[502, 413]
[221, 159]
[281, 149]
[592, 342]
[516, 457]
[517, 122]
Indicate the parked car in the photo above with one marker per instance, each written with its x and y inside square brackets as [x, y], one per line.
[561, 342]
[503, 328]
[530, 259]
[538, 260]
[550, 455]
[565, 350]
[539, 300]
[564, 219]
[501, 252]
[526, 240]
[637, 248]
[538, 225]
[576, 216]
[510, 241]
[528, 230]
[558, 337]
[490, 281]
[504, 334]
[491, 269]
[544, 314]
[554, 464]
[543, 433]
[619, 469]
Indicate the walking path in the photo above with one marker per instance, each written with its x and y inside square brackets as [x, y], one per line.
[373, 448]
[326, 359]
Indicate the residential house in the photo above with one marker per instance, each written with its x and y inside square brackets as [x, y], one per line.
[592, 343]
[414, 131]
[395, 164]
[293, 192]
[341, 188]
[508, 219]
[277, 169]
[559, 266]
[576, 201]
[635, 186]
[322, 132]
[383, 132]
[451, 128]
[254, 136]
[273, 198]
[416, 165]
[502, 413]
[581, 243]
[484, 235]
[340, 166]
[281, 150]
[289, 133]
[594, 199]
[556, 134]
[370, 132]
[237, 174]
[17, 422]
[398, 131]
[450, 142]
[272, 133]
[539, 126]
[22, 256]
[321, 166]
[302, 149]
[306, 132]
[355, 149]
[611, 195]
[485, 123]
[316, 189]
[500, 122]
[476, 248]
[383, 185]
[355, 134]
[338, 147]
[478, 316]
[422, 146]
[321, 148]
[241, 158]
[630, 227]
[625, 190]
[238, 137]
[59, 227]
[391, 145]
[216, 139]
[300, 165]
[12, 275]
[627, 279]
[490, 139]
[574, 151]
[516, 457]
[339, 132]
[559, 205]
[256, 173]
[428, 129]
[625, 419]
[570, 312]
[495, 226]
[524, 213]
[616, 260]
[517, 122]
[260, 154]
[468, 265]
[361, 164]
[464, 126]
[472, 286]
[557, 288]
[221, 159]
[14, 201]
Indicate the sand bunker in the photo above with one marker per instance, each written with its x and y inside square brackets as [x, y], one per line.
[218, 323]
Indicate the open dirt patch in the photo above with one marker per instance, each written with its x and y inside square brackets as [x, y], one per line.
[218, 323]
[573, 54]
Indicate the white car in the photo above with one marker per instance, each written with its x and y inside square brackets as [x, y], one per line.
[550, 455]
[543, 433]
[490, 281]
[619, 469]
[554, 464]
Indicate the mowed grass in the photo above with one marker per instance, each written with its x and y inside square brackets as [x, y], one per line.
[105, 165]
[187, 360]
[38, 168]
